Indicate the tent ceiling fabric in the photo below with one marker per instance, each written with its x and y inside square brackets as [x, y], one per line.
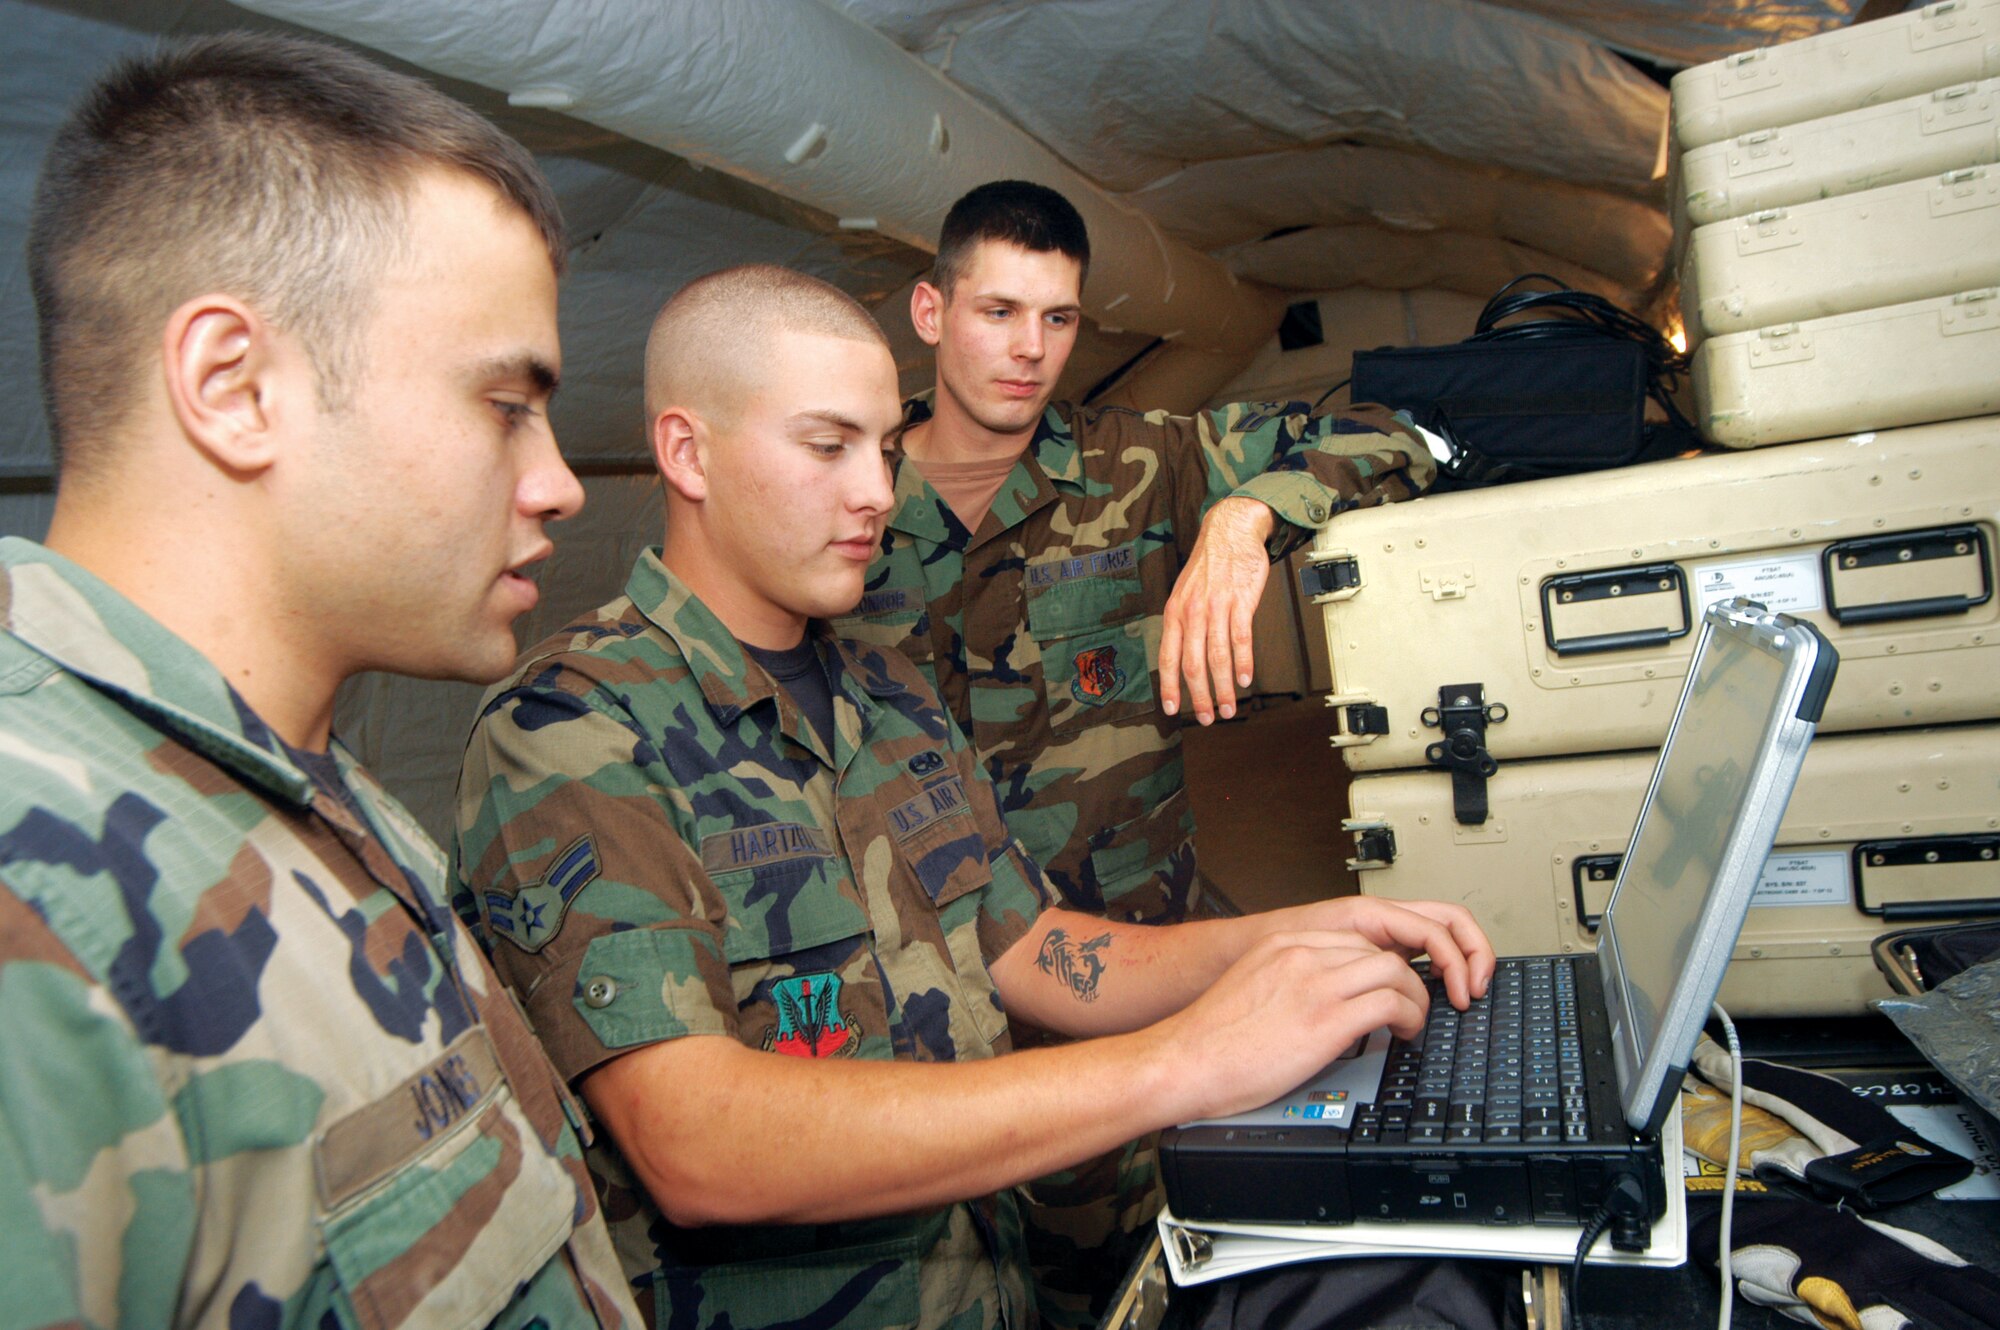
[1229, 202]
[1693, 32]
[801, 100]
[1671, 32]
[1327, 258]
[1132, 90]
[642, 222]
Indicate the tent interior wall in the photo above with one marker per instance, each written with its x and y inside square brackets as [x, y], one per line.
[1393, 163]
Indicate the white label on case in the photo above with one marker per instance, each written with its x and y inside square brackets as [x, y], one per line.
[1819, 877]
[1788, 582]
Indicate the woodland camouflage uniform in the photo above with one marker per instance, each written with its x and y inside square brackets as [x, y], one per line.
[657, 843]
[252, 1071]
[1040, 631]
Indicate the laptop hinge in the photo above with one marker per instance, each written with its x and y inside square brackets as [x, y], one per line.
[1463, 714]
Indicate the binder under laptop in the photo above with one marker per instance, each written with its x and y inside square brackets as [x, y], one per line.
[1533, 1105]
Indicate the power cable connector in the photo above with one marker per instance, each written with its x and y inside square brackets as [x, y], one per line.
[1623, 1206]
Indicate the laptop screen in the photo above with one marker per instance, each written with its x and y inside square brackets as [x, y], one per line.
[1699, 793]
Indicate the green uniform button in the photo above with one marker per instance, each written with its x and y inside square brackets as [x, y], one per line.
[599, 992]
[1316, 511]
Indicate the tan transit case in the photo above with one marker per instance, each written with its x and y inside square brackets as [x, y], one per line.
[1569, 601]
[1888, 246]
[1882, 829]
[1952, 41]
[1777, 167]
[1927, 360]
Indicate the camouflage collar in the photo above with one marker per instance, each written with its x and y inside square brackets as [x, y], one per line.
[68, 615]
[731, 682]
[729, 679]
[1051, 459]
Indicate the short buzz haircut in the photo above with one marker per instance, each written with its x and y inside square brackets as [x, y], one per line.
[708, 341]
[1014, 212]
[275, 169]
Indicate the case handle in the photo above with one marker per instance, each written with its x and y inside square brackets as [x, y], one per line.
[1940, 853]
[1580, 591]
[1923, 551]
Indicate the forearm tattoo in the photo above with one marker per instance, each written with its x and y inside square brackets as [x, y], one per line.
[1077, 964]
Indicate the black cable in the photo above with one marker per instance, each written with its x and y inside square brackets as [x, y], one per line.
[1591, 1232]
[1584, 315]
[1110, 380]
[1328, 393]
[1625, 1202]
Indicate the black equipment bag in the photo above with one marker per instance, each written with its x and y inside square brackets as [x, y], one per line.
[1563, 392]
[1574, 405]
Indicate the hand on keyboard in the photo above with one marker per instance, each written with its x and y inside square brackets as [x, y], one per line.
[1285, 1009]
[1459, 952]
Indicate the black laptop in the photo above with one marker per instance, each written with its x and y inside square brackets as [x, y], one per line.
[1533, 1106]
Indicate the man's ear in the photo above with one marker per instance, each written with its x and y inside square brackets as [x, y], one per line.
[927, 313]
[678, 451]
[225, 381]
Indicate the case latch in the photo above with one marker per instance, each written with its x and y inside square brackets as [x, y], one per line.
[1334, 578]
[1374, 843]
[1363, 719]
[1462, 714]
[1943, 23]
[1366, 718]
[1748, 71]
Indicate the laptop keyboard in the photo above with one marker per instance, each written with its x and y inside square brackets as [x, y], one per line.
[1508, 1070]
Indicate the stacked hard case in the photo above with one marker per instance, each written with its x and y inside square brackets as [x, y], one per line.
[1837, 212]
[1505, 661]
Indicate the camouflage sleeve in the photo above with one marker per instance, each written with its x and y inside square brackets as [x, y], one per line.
[597, 913]
[1016, 899]
[1019, 892]
[1307, 468]
[96, 1201]
[38, 1287]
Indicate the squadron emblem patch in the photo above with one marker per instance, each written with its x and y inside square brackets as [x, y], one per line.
[809, 1021]
[1098, 677]
[533, 915]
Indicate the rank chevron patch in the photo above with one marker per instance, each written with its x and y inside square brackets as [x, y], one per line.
[532, 916]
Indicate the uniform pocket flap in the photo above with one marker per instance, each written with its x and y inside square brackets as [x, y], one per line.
[941, 839]
[641, 985]
[1075, 594]
[784, 889]
[443, 1237]
[1131, 847]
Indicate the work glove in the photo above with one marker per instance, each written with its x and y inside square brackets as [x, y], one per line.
[1837, 1145]
[1831, 1268]
[1705, 1131]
